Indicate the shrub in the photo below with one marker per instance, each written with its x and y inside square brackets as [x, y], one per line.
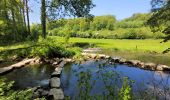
[35, 31]
[6, 93]
[42, 48]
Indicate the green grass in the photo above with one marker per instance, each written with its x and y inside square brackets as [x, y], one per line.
[122, 45]
[143, 50]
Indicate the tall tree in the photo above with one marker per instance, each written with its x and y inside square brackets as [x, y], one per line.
[61, 8]
[12, 16]
[43, 17]
[27, 12]
[23, 13]
[160, 19]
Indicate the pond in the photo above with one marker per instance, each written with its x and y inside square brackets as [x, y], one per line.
[30, 76]
[96, 79]
[99, 79]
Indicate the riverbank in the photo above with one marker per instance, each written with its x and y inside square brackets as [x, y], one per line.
[147, 50]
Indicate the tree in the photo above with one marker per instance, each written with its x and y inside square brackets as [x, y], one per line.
[12, 17]
[27, 12]
[61, 8]
[43, 17]
[160, 19]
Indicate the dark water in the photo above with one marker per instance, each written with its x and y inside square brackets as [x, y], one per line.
[144, 80]
[30, 76]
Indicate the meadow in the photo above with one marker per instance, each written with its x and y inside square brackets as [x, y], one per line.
[145, 45]
[148, 50]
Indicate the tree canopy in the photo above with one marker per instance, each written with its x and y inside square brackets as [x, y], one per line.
[54, 9]
[13, 20]
[160, 19]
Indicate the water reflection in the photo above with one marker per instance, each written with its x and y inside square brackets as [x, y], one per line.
[104, 80]
[30, 76]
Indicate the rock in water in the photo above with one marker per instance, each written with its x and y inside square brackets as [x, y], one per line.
[55, 82]
[56, 74]
[5, 70]
[56, 94]
[150, 66]
[162, 68]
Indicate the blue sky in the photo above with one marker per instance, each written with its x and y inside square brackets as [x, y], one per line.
[120, 8]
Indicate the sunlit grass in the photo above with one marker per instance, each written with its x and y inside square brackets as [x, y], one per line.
[122, 45]
[144, 50]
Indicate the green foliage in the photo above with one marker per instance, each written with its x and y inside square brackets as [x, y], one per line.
[6, 93]
[105, 27]
[12, 20]
[125, 91]
[42, 48]
[35, 31]
[160, 20]
[117, 87]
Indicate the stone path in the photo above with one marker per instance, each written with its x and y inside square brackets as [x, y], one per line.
[20, 64]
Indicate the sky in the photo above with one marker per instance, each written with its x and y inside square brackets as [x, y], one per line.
[119, 8]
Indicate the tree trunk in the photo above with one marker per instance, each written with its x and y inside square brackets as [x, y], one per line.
[43, 18]
[27, 12]
[14, 24]
[6, 14]
[23, 13]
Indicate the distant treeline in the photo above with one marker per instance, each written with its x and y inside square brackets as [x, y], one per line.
[103, 27]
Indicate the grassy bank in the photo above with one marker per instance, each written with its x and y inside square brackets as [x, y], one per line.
[144, 50]
[122, 45]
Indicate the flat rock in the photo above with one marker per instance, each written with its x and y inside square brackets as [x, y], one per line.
[55, 63]
[58, 70]
[55, 82]
[23, 63]
[107, 57]
[101, 56]
[141, 64]
[122, 61]
[68, 60]
[133, 62]
[56, 73]
[61, 65]
[162, 68]
[5, 70]
[150, 66]
[115, 59]
[56, 94]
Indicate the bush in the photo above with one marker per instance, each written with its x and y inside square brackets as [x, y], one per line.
[6, 93]
[35, 31]
[42, 48]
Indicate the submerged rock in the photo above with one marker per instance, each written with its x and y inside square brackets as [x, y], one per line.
[56, 94]
[39, 92]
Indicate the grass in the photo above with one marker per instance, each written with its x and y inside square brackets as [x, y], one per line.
[144, 50]
[122, 45]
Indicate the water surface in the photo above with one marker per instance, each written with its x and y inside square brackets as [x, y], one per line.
[30, 76]
[143, 79]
